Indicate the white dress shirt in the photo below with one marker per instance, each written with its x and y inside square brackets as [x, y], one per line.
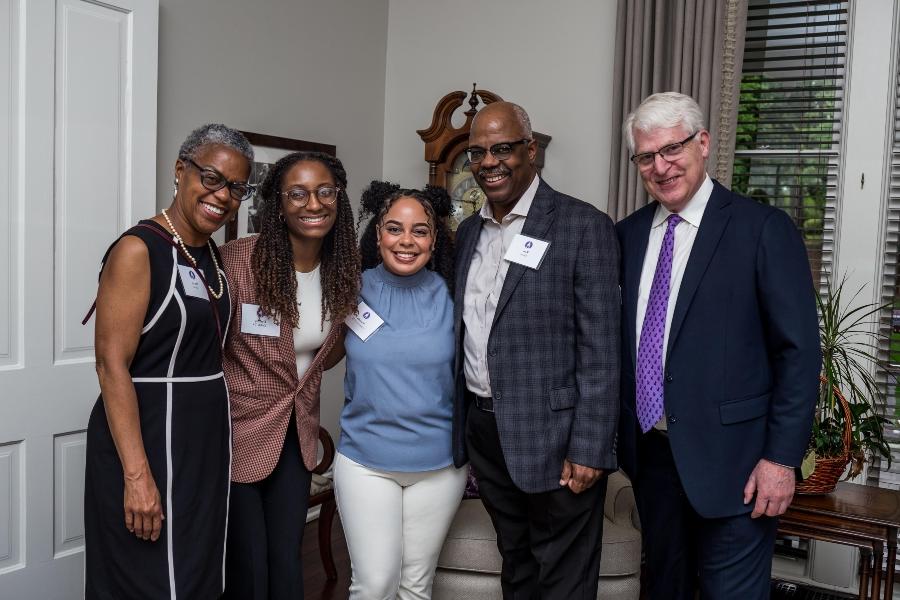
[487, 272]
[685, 234]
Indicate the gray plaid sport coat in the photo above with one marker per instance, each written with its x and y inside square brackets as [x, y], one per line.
[553, 349]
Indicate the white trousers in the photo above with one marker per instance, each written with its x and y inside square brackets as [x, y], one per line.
[395, 525]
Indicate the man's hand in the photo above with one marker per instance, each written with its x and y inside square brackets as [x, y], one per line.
[774, 488]
[578, 477]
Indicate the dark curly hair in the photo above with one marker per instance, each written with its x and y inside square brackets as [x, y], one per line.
[377, 200]
[273, 260]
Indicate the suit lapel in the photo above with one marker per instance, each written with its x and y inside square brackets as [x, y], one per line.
[634, 252]
[537, 223]
[715, 219]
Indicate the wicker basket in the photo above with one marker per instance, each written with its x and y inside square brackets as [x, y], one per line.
[829, 469]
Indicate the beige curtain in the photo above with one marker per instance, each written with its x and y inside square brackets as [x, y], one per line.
[691, 46]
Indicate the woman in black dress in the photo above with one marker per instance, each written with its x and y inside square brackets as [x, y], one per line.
[158, 441]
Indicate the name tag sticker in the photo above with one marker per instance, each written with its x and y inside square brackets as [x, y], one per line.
[527, 251]
[365, 322]
[255, 322]
[191, 282]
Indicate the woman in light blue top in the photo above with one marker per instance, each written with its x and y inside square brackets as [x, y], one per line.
[397, 489]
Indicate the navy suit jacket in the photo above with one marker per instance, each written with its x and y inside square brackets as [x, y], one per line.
[743, 357]
[553, 350]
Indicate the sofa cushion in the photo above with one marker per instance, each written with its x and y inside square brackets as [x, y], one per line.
[621, 553]
[319, 484]
[471, 544]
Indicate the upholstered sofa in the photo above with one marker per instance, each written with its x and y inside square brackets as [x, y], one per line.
[469, 564]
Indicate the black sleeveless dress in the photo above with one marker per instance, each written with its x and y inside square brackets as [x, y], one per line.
[186, 427]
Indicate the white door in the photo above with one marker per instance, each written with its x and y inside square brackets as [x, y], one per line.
[77, 167]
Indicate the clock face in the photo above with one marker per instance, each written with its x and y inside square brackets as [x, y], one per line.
[465, 195]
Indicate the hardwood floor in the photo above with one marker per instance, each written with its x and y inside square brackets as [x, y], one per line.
[315, 585]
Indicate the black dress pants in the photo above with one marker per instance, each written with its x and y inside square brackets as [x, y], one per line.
[265, 530]
[550, 542]
[723, 558]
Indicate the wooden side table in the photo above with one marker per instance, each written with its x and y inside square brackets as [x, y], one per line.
[855, 515]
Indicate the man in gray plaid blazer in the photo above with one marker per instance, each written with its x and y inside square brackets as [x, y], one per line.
[537, 362]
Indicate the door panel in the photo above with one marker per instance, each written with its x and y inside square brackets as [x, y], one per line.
[80, 161]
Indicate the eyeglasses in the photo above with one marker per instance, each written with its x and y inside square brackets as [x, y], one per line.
[500, 151]
[668, 152]
[326, 194]
[214, 181]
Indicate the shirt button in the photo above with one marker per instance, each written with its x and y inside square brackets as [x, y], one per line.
[672, 419]
[669, 376]
[497, 395]
[492, 352]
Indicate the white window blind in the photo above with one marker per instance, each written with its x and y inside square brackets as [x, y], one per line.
[889, 325]
[790, 115]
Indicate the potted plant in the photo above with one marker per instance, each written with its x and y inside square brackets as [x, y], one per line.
[849, 426]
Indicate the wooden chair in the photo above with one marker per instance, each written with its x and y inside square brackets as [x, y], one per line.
[321, 493]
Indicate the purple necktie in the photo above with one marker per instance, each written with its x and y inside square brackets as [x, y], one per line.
[649, 362]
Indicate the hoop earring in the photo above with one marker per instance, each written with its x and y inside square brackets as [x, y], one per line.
[175, 188]
[281, 218]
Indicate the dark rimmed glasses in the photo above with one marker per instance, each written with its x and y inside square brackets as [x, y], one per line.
[669, 152]
[326, 194]
[214, 181]
[500, 151]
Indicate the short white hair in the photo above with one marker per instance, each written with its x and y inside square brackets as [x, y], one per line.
[661, 111]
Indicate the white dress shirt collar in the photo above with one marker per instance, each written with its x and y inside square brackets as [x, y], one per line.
[520, 209]
[693, 210]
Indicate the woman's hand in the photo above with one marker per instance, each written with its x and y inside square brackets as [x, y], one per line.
[143, 506]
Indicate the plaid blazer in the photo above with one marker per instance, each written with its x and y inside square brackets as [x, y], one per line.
[263, 384]
[553, 349]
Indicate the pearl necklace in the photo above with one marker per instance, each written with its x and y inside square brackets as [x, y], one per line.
[194, 261]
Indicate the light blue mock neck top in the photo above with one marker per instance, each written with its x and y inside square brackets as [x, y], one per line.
[399, 382]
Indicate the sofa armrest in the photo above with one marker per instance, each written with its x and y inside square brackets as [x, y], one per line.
[619, 506]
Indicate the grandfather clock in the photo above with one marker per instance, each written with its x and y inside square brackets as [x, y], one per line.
[445, 154]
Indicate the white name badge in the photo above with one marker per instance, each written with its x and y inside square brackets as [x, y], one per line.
[365, 322]
[527, 251]
[255, 322]
[193, 285]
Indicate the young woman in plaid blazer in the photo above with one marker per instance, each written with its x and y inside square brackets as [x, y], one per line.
[293, 286]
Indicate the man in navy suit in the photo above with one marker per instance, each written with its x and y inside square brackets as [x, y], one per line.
[537, 312]
[720, 363]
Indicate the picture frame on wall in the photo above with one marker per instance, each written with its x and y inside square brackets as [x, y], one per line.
[267, 150]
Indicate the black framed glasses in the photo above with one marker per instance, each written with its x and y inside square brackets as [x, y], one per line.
[669, 152]
[500, 151]
[214, 181]
[326, 194]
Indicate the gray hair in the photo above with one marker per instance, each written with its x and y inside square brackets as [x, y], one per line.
[661, 111]
[522, 118]
[215, 134]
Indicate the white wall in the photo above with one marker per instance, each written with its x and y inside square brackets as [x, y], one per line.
[294, 68]
[553, 58]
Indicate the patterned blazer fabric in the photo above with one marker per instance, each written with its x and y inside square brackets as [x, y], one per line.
[263, 383]
[553, 350]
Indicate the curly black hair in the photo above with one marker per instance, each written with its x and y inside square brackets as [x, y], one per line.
[376, 201]
[273, 260]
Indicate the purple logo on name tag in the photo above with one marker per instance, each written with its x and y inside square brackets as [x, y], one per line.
[366, 315]
[259, 313]
[192, 275]
[529, 244]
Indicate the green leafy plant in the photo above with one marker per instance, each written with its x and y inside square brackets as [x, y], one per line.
[849, 349]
